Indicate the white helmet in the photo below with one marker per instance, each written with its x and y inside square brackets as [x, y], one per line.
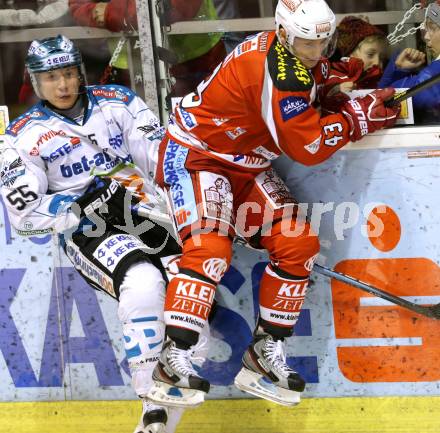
[307, 19]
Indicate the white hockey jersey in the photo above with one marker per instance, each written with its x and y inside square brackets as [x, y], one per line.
[48, 160]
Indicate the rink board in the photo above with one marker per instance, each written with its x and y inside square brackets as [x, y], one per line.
[331, 415]
[60, 340]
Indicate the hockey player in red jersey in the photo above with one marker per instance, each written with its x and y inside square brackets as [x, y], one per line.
[216, 165]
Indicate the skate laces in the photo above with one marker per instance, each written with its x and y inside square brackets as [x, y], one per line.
[275, 354]
[179, 360]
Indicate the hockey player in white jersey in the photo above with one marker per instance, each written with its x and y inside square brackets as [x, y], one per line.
[81, 163]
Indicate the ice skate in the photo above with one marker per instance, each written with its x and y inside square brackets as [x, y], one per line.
[176, 383]
[153, 418]
[266, 374]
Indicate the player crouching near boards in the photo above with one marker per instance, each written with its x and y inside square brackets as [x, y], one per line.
[81, 162]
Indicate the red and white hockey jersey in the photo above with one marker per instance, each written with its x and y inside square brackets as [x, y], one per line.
[258, 104]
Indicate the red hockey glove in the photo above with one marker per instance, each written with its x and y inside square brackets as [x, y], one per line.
[368, 114]
[333, 103]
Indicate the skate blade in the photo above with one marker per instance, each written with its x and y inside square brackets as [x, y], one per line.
[254, 383]
[157, 427]
[168, 395]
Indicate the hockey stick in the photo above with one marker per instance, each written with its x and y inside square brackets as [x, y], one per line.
[432, 311]
[405, 94]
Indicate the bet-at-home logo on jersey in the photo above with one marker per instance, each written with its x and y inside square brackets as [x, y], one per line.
[86, 163]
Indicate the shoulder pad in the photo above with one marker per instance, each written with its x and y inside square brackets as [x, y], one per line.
[20, 122]
[287, 72]
[112, 93]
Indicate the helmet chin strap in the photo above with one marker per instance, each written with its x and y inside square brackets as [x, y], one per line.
[283, 41]
[289, 48]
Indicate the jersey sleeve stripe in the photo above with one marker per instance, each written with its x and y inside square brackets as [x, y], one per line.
[266, 104]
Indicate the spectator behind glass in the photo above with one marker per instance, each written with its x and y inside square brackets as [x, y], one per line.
[229, 10]
[116, 16]
[360, 47]
[403, 70]
[31, 13]
[195, 55]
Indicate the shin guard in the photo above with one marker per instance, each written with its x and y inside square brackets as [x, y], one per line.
[190, 293]
[188, 303]
[281, 300]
